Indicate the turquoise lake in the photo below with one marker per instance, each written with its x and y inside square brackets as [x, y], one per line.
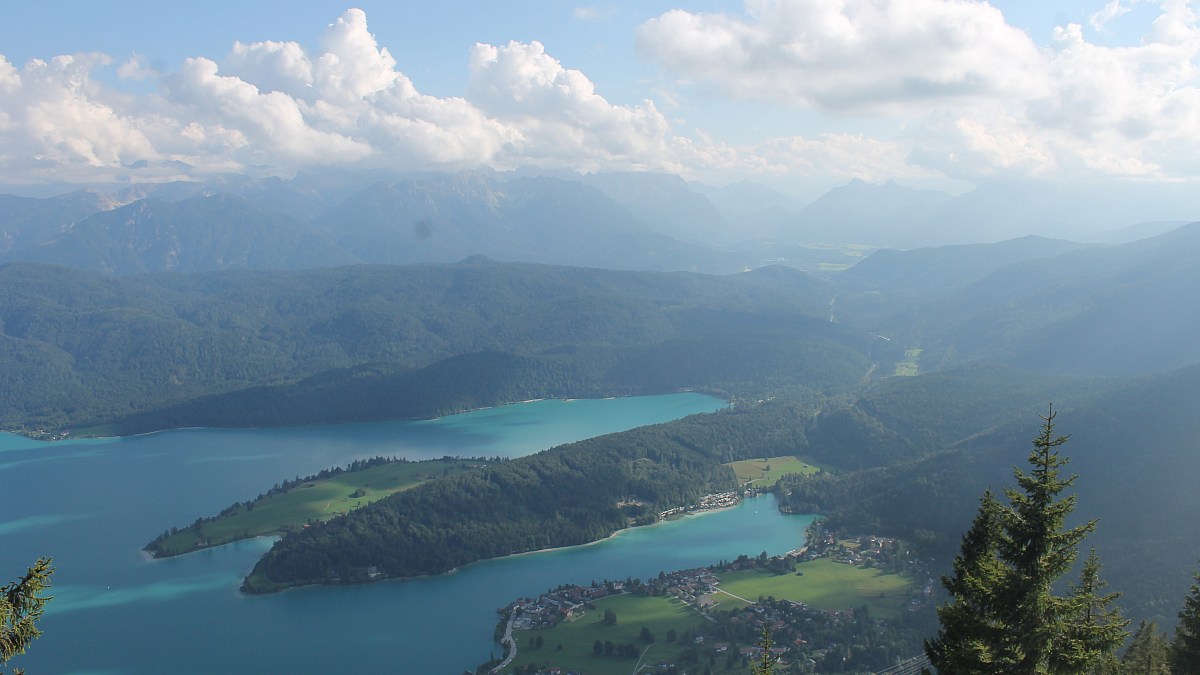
[92, 504]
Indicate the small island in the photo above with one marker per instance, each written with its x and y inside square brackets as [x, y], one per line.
[299, 503]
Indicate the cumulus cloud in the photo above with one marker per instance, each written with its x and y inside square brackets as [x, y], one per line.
[857, 55]
[968, 95]
[277, 106]
[973, 95]
[557, 114]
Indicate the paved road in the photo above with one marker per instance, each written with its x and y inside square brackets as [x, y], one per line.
[722, 590]
[509, 643]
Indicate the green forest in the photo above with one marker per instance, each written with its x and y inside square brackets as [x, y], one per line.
[559, 497]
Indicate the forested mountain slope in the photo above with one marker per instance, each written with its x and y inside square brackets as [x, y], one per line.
[1135, 444]
[1119, 310]
[79, 348]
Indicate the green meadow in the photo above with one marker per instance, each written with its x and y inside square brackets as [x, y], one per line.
[764, 472]
[825, 584]
[658, 613]
[908, 367]
[313, 500]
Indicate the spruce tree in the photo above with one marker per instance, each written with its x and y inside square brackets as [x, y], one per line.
[970, 633]
[1003, 615]
[1094, 626]
[21, 606]
[1185, 648]
[1148, 652]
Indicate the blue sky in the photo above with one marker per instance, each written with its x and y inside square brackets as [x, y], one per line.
[791, 92]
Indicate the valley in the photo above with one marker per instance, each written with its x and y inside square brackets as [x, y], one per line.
[885, 397]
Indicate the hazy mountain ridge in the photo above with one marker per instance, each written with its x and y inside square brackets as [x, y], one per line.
[197, 234]
[615, 220]
[236, 221]
[27, 221]
[1105, 310]
[667, 205]
[531, 219]
[891, 282]
[862, 212]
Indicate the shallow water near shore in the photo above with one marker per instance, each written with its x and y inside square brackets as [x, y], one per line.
[92, 504]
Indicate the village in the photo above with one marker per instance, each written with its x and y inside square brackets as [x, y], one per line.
[710, 502]
[732, 634]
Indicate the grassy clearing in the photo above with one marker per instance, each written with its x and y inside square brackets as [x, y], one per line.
[824, 585]
[764, 472]
[659, 614]
[311, 500]
[908, 367]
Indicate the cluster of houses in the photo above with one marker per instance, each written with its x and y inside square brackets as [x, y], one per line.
[553, 607]
[793, 624]
[718, 500]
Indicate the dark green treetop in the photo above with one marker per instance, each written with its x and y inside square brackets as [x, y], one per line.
[1003, 615]
[1148, 652]
[1185, 648]
[21, 606]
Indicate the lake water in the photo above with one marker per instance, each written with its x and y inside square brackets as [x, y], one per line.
[93, 503]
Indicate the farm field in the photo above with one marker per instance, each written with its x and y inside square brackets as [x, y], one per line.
[764, 472]
[657, 613]
[825, 584]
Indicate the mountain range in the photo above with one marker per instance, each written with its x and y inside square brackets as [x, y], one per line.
[635, 221]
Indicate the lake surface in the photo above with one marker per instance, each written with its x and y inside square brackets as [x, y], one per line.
[93, 503]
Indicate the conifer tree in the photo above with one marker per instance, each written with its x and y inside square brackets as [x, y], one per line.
[1003, 615]
[768, 659]
[21, 606]
[970, 634]
[1094, 626]
[1185, 648]
[1148, 653]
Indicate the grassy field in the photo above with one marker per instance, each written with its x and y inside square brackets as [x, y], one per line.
[764, 472]
[311, 500]
[908, 367]
[824, 585]
[659, 614]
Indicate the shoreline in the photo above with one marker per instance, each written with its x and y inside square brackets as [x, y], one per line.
[70, 434]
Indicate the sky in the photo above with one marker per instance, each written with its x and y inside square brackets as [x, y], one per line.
[798, 94]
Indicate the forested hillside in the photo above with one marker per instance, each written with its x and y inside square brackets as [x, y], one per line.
[370, 342]
[1119, 310]
[558, 497]
[1134, 443]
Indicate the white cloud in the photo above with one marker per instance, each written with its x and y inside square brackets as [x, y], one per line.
[1115, 9]
[277, 106]
[856, 55]
[971, 95]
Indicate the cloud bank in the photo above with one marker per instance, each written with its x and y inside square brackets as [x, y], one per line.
[965, 95]
[976, 95]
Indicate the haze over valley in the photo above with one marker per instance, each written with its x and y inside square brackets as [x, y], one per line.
[441, 289]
